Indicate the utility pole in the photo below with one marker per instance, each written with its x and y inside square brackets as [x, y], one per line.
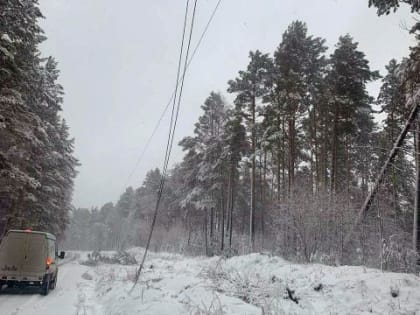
[379, 179]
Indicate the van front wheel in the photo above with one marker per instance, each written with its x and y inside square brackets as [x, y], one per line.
[45, 288]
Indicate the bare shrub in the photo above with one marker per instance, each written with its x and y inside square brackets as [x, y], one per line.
[214, 308]
[398, 254]
[311, 227]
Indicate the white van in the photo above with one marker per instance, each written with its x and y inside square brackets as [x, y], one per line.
[29, 258]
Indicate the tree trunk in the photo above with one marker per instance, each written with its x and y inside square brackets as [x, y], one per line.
[263, 201]
[222, 223]
[253, 175]
[205, 232]
[348, 174]
[394, 182]
[292, 153]
[279, 159]
[211, 223]
[283, 164]
[324, 156]
[232, 201]
[334, 154]
[229, 205]
[316, 153]
[228, 197]
[416, 225]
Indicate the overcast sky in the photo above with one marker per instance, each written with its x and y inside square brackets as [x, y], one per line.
[118, 64]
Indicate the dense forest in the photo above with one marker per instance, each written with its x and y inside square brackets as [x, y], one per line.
[284, 167]
[287, 165]
[37, 166]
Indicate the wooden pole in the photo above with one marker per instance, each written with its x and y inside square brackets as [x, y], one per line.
[379, 179]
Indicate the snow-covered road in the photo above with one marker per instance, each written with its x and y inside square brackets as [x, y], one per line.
[245, 285]
[71, 296]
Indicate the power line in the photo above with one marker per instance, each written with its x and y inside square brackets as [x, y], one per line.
[170, 137]
[145, 148]
[182, 87]
[168, 151]
[168, 144]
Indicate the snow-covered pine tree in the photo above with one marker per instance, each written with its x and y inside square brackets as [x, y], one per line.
[350, 107]
[298, 66]
[210, 182]
[250, 88]
[235, 146]
[38, 167]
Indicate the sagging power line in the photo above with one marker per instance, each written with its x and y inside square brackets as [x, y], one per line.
[172, 128]
[172, 97]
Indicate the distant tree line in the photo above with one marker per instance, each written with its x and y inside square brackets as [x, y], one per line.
[286, 167]
[37, 166]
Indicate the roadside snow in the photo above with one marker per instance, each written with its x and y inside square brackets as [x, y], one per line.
[174, 284]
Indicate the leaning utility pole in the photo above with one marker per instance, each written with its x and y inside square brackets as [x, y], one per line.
[379, 179]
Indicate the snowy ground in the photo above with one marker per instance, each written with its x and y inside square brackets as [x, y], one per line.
[68, 298]
[173, 284]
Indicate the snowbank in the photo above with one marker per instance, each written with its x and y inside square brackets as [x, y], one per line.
[173, 284]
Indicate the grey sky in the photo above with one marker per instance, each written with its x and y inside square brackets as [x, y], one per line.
[118, 64]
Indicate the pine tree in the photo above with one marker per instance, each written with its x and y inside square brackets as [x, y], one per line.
[250, 87]
[299, 64]
[19, 36]
[56, 160]
[38, 165]
[350, 105]
[209, 168]
[234, 148]
[386, 6]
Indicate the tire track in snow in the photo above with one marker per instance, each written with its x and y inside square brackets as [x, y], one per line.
[85, 302]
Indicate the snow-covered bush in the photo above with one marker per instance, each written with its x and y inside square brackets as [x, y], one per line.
[250, 288]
